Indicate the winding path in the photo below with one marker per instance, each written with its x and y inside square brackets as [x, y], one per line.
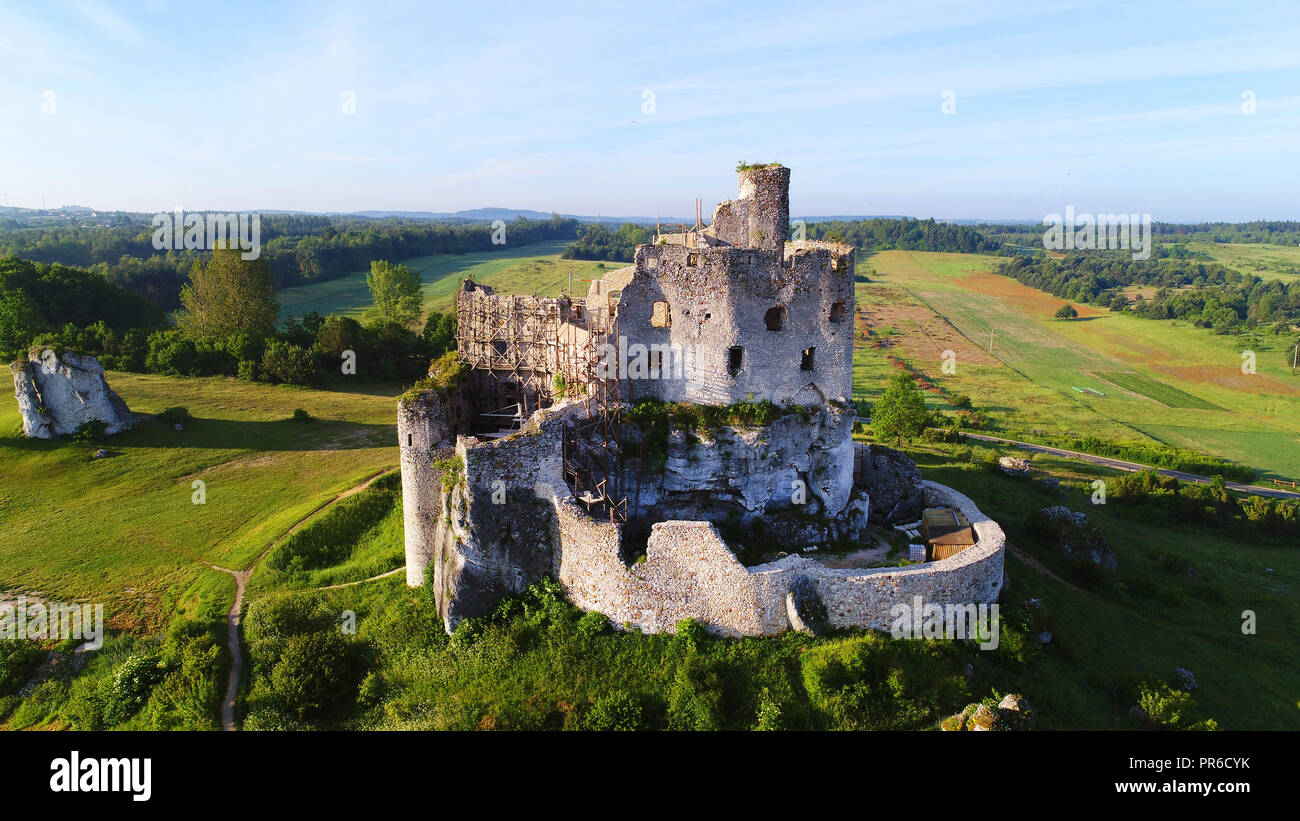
[241, 581]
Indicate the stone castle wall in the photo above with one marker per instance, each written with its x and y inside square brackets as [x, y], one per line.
[513, 520]
[690, 573]
[718, 299]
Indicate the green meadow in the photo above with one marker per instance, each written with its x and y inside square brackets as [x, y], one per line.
[1260, 259]
[1162, 380]
[530, 269]
[125, 530]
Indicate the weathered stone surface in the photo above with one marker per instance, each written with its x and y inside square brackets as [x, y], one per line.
[57, 394]
[1014, 466]
[1070, 534]
[1015, 712]
[422, 432]
[892, 480]
[752, 470]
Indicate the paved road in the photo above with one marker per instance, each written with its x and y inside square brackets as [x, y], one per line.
[1120, 464]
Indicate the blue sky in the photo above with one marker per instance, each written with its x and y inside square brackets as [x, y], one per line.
[1132, 107]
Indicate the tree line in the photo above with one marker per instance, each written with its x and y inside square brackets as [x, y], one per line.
[226, 324]
[1205, 293]
[298, 248]
[598, 242]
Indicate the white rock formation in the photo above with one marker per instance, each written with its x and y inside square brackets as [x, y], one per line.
[57, 394]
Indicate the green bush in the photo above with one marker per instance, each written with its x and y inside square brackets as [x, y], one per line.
[130, 685]
[316, 672]
[872, 683]
[1170, 709]
[614, 711]
[300, 415]
[288, 363]
[176, 415]
[593, 624]
[91, 431]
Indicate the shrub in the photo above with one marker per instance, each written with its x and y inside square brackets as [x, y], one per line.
[592, 624]
[249, 370]
[315, 672]
[872, 683]
[129, 687]
[92, 430]
[176, 415]
[292, 364]
[614, 711]
[170, 354]
[300, 415]
[17, 661]
[695, 701]
[1170, 709]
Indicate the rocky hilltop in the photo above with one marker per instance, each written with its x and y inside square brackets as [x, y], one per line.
[58, 393]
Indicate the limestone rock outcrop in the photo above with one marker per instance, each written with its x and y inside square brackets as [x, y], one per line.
[893, 480]
[57, 393]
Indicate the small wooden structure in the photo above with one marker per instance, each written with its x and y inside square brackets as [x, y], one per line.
[947, 532]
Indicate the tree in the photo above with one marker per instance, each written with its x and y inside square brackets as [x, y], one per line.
[20, 321]
[1066, 312]
[396, 293]
[900, 412]
[228, 296]
[440, 333]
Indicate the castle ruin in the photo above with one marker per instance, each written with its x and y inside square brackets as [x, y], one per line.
[675, 444]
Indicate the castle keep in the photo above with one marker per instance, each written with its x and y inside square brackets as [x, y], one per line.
[677, 443]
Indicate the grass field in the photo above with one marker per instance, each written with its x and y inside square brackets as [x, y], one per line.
[529, 269]
[125, 531]
[1259, 259]
[1178, 384]
[1104, 636]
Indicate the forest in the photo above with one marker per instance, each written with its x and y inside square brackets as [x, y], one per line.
[299, 248]
[1205, 293]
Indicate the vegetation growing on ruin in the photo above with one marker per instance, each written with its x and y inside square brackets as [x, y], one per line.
[753, 166]
[656, 420]
[444, 373]
[451, 472]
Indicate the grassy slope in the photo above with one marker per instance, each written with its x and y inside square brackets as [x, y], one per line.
[1245, 681]
[1259, 259]
[530, 269]
[1040, 360]
[124, 530]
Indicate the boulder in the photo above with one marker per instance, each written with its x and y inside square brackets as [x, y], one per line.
[1015, 712]
[891, 480]
[57, 393]
[1071, 535]
[1013, 466]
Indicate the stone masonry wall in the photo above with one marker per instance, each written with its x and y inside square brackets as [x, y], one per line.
[718, 299]
[690, 573]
